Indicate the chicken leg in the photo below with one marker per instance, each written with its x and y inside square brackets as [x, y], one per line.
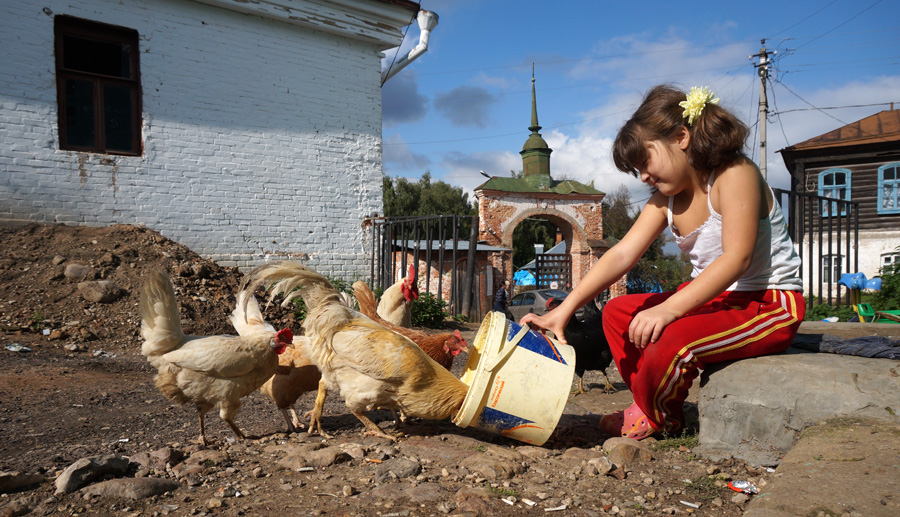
[373, 429]
[315, 414]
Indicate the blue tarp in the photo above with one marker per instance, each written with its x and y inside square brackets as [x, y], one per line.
[523, 277]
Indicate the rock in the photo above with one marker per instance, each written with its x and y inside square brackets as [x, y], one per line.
[102, 291]
[397, 468]
[625, 451]
[158, 459]
[109, 259]
[86, 470]
[755, 409]
[132, 488]
[78, 272]
[492, 468]
[57, 260]
[12, 481]
[201, 271]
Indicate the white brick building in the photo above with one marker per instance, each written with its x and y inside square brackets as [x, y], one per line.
[258, 124]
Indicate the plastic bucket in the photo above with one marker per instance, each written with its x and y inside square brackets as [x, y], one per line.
[519, 381]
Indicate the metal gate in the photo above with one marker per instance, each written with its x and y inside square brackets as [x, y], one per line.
[553, 270]
[825, 232]
[443, 243]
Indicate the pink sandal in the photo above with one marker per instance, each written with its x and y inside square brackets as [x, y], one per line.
[630, 423]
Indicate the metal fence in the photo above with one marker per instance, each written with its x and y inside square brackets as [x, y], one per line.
[439, 242]
[825, 232]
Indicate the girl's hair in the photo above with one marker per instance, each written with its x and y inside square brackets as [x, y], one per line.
[717, 136]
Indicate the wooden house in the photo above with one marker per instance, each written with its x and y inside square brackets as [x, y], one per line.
[858, 164]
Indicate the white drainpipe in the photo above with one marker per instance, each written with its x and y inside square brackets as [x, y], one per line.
[427, 22]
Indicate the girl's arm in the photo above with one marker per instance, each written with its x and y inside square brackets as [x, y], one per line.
[741, 203]
[611, 266]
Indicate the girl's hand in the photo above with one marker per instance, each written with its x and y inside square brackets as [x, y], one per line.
[554, 321]
[648, 325]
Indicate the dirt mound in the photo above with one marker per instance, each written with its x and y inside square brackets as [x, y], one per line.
[37, 295]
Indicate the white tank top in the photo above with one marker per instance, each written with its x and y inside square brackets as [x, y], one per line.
[775, 263]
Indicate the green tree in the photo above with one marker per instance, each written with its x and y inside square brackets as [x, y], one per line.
[656, 270]
[403, 197]
[528, 233]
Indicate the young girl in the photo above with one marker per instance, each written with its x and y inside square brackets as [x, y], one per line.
[745, 298]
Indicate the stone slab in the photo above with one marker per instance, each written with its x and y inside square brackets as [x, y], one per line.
[755, 409]
[844, 466]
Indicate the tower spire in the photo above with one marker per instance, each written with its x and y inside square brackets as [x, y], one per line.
[534, 118]
[535, 153]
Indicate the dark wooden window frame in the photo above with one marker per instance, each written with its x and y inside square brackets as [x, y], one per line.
[104, 33]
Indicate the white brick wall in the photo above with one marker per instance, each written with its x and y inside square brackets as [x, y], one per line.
[260, 138]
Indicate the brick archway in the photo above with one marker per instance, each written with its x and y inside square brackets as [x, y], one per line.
[579, 217]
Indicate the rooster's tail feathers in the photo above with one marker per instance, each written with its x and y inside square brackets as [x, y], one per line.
[160, 322]
[246, 316]
[285, 277]
[365, 298]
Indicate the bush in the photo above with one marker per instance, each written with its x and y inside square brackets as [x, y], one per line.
[821, 311]
[888, 298]
[429, 311]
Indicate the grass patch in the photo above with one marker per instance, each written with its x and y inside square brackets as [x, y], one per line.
[687, 439]
[704, 488]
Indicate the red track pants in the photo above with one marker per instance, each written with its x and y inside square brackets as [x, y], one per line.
[735, 325]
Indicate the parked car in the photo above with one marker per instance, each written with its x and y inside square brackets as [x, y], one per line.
[535, 301]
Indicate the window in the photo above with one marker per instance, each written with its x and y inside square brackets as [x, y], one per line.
[890, 260]
[834, 184]
[98, 87]
[888, 186]
[831, 268]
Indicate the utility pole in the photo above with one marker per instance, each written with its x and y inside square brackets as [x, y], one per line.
[762, 69]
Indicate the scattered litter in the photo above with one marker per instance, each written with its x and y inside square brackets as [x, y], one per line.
[529, 502]
[833, 319]
[743, 486]
[17, 347]
[373, 460]
[46, 332]
[305, 469]
[124, 440]
[101, 353]
[692, 505]
[77, 405]
[556, 509]
[508, 501]
[770, 470]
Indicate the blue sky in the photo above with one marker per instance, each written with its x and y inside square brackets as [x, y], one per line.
[465, 105]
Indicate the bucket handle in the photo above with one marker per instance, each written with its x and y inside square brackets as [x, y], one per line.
[511, 345]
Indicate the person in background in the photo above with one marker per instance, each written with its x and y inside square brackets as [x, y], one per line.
[501, 297]
[745, 298]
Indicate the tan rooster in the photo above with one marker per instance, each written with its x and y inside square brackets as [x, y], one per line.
[395, 305]
[207, 371]
[368, 364]
[442, 347]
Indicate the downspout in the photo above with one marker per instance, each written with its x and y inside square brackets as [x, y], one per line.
[428, 20]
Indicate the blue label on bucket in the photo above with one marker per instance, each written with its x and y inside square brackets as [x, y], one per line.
[504, 422]
[537, 343]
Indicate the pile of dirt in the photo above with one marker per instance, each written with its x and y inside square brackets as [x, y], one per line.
[46, 272]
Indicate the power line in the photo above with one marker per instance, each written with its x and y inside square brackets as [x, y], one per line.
[803, 20]
[835, 107]
[845, 22]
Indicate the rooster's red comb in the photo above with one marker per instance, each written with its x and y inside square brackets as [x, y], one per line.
[284, 336]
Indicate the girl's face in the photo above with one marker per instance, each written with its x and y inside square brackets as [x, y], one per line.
[667, 169]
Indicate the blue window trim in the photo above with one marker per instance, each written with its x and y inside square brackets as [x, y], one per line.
[896, 188]
[823, 189]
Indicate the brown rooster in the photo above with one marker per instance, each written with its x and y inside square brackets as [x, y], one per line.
[396, 302]
[441, 347]
[369, 365]
[295, 375]
[207, 371]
